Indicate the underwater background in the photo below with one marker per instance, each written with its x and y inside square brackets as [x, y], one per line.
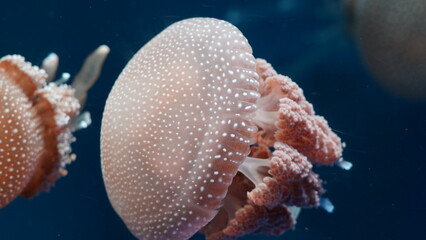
[382, 197]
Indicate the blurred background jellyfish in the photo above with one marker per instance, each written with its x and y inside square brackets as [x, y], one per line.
[391, 36]
[37, 118]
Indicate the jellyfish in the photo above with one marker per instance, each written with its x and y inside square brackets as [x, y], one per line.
[37, 119]
[391, 36]
[198, 135]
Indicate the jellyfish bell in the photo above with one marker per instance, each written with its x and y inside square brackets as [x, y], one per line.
[169, 115]
[187, 134]
[37, 119]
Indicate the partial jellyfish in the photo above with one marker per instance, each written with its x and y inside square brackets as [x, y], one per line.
[391, 35]
[37, 119]
[198, 135]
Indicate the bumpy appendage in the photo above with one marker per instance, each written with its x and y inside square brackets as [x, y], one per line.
[277, 176]
[240, 216]
[256, 219]
[309, 134]
[291, 182]
[285, 116]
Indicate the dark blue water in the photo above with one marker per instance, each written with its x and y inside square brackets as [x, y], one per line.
[382, 197]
